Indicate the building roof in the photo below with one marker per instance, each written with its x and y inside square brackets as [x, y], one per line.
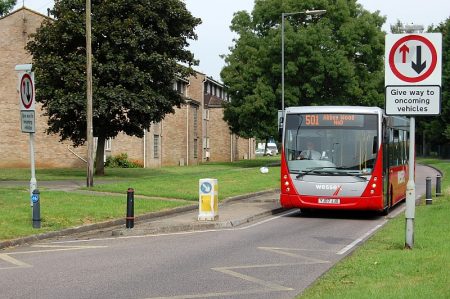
[212, 101]
[24, 8]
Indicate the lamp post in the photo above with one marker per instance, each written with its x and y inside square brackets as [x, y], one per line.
[90, 130]
[283, 15]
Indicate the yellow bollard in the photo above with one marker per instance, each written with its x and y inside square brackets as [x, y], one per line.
[208, 199]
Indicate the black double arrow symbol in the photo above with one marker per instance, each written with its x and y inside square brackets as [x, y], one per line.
[419, 65]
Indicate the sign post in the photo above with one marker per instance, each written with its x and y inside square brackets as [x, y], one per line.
[26, 91]
[413, 71]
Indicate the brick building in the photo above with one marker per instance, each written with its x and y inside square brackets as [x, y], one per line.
[15, 29]
[195, 133]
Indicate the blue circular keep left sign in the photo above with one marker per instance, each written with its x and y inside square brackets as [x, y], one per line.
[206, 187]
[34, 198]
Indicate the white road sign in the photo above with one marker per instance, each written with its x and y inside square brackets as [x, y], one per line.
[27, 121]
[413, 74]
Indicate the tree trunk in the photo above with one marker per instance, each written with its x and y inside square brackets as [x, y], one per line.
[265, 147]
[99, 157]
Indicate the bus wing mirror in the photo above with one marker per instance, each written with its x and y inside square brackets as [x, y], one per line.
[280, 126]
[375, 145]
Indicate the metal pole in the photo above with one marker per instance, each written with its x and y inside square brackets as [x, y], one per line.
[36, 214]
[410, 188]
[129, 223]
[438, 185]
[90, 130]
[428, 197]
[33, 182]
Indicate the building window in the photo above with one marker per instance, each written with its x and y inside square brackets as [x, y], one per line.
[108, 142]
[180, 87]
[195, 148]
[156, 146]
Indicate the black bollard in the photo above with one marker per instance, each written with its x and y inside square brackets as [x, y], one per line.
[428, 199]
[438, 185]
[35, 198]
[130, 208]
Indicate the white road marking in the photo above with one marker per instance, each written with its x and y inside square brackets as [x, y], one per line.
[288, 213]
[209, 295]
[56, 248]
[53, 248]
[287, 251]
[267, 284]
[15, 262]
[354, 243]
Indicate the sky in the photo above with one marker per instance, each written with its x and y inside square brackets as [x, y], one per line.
[215, 37]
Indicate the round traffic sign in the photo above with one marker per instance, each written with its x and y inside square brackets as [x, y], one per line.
[34, 198]
[413, 68]
[26, 91]
[206, 187]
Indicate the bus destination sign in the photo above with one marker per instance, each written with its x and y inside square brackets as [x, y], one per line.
[332, 120]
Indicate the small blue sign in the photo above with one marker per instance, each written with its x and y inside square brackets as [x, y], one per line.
[35, 198]
[205, 187]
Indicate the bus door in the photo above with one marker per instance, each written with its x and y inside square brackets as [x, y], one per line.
[386, 163]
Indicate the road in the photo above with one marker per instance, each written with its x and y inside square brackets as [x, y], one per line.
[277, 257]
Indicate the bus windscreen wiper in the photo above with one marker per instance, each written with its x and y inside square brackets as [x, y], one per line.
[312, 170]
[331, 173]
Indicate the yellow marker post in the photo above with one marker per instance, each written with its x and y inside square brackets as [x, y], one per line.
[208, 199]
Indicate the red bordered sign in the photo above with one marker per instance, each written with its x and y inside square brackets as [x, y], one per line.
[413, 59]
[26, 91]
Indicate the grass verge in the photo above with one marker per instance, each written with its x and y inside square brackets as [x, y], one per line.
[67, 209]
[183, 183]
[382, 268]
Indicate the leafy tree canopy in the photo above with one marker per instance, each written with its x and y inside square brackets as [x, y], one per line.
[437, 129]
[334, 59]
[137, 48]
[6, 6]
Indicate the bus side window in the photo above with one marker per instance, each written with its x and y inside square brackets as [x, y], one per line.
[391, 147]
[396, 148]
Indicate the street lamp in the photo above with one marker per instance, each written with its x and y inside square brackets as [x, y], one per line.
[283, 15]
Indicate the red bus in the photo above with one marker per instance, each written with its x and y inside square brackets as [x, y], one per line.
[343, 157]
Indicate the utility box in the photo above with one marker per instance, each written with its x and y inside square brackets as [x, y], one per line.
[208, 199]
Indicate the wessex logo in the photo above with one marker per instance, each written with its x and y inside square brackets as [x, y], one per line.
[327, 187]
[336, 188]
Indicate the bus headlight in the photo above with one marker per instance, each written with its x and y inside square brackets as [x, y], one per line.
[374, 186]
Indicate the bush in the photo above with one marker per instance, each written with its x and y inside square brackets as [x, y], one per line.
[121, 161]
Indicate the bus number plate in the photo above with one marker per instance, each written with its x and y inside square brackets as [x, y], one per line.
[334, 201]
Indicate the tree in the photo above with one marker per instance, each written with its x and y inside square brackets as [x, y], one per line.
[137, 48]
[6, 6]
[335, 59]
[437, 129]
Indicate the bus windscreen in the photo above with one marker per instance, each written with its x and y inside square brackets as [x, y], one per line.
[344, 142]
